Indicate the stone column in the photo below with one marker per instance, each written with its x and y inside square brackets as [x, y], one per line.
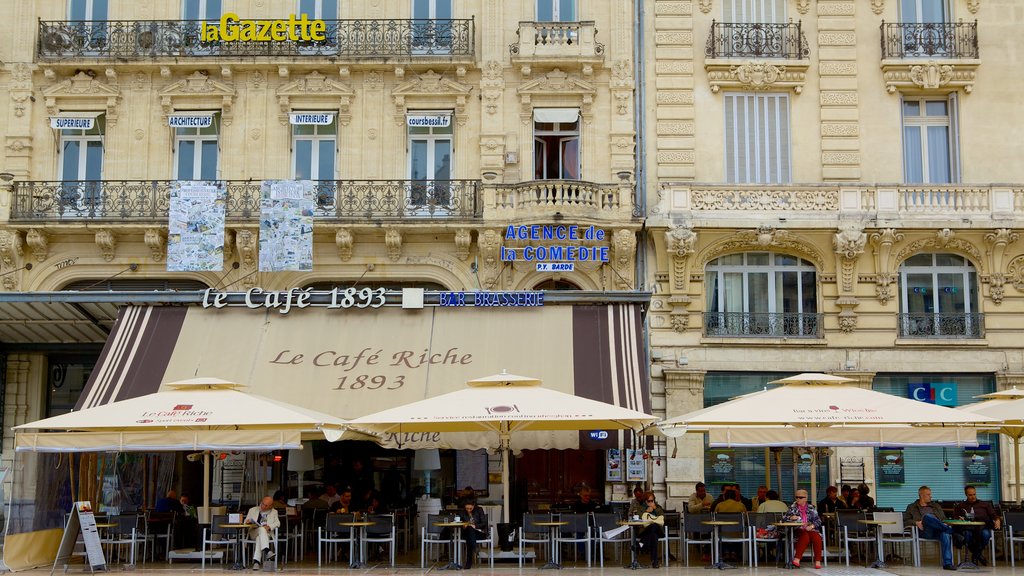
[684, 392]
[23, 402]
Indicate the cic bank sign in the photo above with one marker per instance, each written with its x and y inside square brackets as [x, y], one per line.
[941, 394]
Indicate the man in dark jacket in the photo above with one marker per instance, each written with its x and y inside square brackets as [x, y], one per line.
[929, 518]
[977, 537]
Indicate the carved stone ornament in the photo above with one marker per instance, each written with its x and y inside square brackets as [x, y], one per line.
[11, 247]
[463, 239]
[433, 90]
[877, 6]
[624, 254]
[314, 91]
[973, 6]
[39, 242]
[156, 240]
[247, 243]
[199, 90]
[932, 76]
[680, 242]
[492, 86]
[80, 92]
[802, 6]
[489, 245]
[556, 84]
[679, 320]
[883, 242]
[998, 240]
[343, 240]
[847, 316]
[705, 6]
[849, 244]
[107, 242]
[754, 75]
[945, 240]
[1015, 273]
[765, 237]
[393, 242]
[762, 199]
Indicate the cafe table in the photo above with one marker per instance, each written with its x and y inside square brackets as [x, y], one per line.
[965, 564]
[360, 527]
[790, 527]
[716, 546]
[454, 527]
[880, 559]
[553, 526]
[633, 524]
[241, 527]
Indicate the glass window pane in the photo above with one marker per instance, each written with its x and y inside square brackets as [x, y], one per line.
[546, 10]
[758, 258]
[76, 10]
[919, 260]
[567, 10]
[190, 10]
[949, 260]
[442, 160]
[325, 160]
[731, 259]
[757, 293]
[418, 162]
[809, 290]
[443, 9]
[328, 129]
[913, 160]
[911, 108]
[972, 288]
[302, 129]
[933, 10]
[69, 161]
[785, 260]
[209, 161]
[186, 159]
[938, 155]
[571, 159]
[94, 160]
[936, 108]
[308, 7]
[788, 298]
[303, 159]
[213, 9]
[421, 9]
[733, 292]
[920, 294]
[329, 10]
[951, 294]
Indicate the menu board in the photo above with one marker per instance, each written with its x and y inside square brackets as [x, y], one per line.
[890, 467]
[636, 466]
[613, 465]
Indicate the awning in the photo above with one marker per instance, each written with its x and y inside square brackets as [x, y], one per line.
[842, 436]
[150, 441]
[48, 322]
[563, 115]
[353, 362]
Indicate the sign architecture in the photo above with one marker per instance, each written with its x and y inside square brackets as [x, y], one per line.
[568, 246]
[232, 29]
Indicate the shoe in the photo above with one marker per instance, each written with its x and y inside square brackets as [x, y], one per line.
[795, 564]
[980, 560]
[257, 565]
[655, 564]
[817, 565]
[949, 567]
[268, 554]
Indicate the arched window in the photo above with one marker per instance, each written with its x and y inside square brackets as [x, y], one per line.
[939, 297]
[556, 285]
[761, 294]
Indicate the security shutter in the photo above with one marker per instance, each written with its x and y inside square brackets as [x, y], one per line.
[757, 147]
[754, 11]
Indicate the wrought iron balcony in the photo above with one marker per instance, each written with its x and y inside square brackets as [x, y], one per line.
[942, 325]
[353, 39]
[741, 40]
[552, 41]
[763, 325]
[930, 40]
[149, 200]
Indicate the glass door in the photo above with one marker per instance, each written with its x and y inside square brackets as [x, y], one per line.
[89, 19]
[431, 26]
[81, 170]
[430, 166]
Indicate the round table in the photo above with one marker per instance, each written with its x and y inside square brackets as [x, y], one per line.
[633, 563]
[453, 564]
[360, 526]
[965, 563]
[716, 552]
[553, 525]
[880, 560]
[241, 527]
[789, 526]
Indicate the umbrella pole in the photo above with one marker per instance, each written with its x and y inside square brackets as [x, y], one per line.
[506, 513]
[206, 481]
[1016, 468]
[768, 467]
[814, 476]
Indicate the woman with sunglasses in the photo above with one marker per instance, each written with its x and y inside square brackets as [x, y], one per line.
[653, 517]
[809, 533]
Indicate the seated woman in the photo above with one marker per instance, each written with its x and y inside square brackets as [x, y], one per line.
[476, 529]
[810, 533]
[653, 530]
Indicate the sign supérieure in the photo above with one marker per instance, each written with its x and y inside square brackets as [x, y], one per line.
[233, 29]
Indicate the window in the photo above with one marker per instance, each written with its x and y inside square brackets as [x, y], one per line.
[930, 152]
[754, 11]
[431, 26]
[556, 10]
[206, 10]
[939, 297]
[761, 294]
[924, 11]
[66, 377]
[80, 166]
[319, 9]
[556, 144]
[430, 158]
[196, 152]
[314, 150]
[757, 147]
[90, 22]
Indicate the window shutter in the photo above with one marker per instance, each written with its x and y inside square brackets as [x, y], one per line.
[757, 137]
[954, 138]
[754, 11]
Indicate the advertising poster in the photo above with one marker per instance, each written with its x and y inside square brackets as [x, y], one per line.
[195, 227]
[613, 465]
[286, 225]
[890, 467]
[636, 466]
[721, 467]
[978, 467]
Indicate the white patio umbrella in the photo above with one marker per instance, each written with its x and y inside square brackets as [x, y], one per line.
[1007, 407]
[503, 404]
[200, 414]
[814, 409]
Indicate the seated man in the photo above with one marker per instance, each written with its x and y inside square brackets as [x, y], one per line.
[977, 537]
[344, 503]
[772, 503]
[929, 519]
[586, 503]
[169, 503]
[831, 502]
[264, 520]
[700, 500]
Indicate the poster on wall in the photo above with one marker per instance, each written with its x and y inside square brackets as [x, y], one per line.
[613, 465]
[978, 467]
[286, 225]
[195, 227]
[890, 467]
[721, 467]
[804, 466]
[636, 466]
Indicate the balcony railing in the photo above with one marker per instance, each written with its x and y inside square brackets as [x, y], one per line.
[572, 196]
[930, 40]
[355, 39]
[762, 325]
[939, 325]
[554, 40]
[149, 200]
[739, 40]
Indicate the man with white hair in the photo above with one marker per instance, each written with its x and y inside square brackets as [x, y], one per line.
[264, 521]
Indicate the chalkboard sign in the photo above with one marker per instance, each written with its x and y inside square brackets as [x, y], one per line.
[82, 521]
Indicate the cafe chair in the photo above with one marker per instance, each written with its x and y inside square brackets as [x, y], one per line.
[124, 534]
[695, 532]
[899, 533]
[1013, 528]
[604, 522]
[481, 543]
[577, 531]
[333, 533]
[734, 534]
[382, 532]
[216, 538]
[430, 536]
[850, 530]
[758, 524]
[530, 533]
